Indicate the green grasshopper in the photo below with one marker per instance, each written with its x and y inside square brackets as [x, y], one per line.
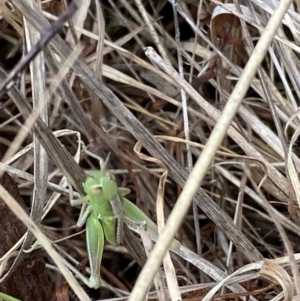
[104, 209]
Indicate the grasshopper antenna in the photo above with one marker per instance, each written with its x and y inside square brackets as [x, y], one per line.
[103, 164]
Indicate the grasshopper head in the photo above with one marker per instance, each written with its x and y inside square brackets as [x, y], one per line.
[100, 183]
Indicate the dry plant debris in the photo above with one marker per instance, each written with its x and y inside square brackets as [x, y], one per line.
[147, 82]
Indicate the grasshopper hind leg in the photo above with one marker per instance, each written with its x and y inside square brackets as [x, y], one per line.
[95, 245]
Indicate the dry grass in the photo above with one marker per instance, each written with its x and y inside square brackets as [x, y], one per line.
[205, 93]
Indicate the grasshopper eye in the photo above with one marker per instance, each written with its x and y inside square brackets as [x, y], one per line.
[112, 176]
[96, 189]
